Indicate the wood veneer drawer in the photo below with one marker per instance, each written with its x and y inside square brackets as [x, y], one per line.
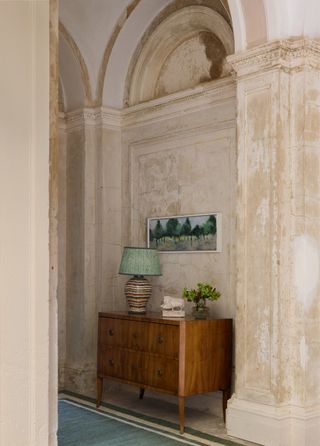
[109, 362]
[163, 339]
[155, 338]
[161, 373]
[110, 332]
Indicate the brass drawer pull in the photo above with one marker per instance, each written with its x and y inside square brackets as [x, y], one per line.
[159, 373]
[111, 332]
[160, 339]
[111, 363]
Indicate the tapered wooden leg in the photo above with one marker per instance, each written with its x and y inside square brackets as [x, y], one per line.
[225, 397]
[99, 390]
[141, 393]
[181, 414]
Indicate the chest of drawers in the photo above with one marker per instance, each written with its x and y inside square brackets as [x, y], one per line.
[177, 356]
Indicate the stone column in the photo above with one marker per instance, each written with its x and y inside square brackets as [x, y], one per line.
[83, 240]
[277, 390]
[112, 178]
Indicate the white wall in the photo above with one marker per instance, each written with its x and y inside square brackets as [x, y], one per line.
[24, 223]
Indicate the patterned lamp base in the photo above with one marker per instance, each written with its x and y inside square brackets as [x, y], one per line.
[137, 291]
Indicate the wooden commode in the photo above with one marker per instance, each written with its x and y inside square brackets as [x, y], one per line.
[182, 357]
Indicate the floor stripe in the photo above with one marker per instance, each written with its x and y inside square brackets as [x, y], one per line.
[141, 426]
[198, 437]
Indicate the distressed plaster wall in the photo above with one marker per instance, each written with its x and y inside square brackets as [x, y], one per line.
[80, 229]
[179, 157]
[62, 252]
[169, 157]
[111, 211]
[185, 163]
[278, 293]
[198, 59]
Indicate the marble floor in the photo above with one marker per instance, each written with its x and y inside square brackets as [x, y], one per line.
[159, 408]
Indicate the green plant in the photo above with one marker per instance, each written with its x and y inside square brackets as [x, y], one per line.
[200, 294]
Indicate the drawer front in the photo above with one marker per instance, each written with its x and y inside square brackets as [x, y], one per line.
[155, 338]
[161, 373]
[110, 332]
[132, 366]
[109, 362]
[163, 339]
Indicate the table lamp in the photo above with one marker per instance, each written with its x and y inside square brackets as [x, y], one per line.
[139, 262]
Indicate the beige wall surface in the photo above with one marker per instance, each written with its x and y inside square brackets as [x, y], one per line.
[172, 156]
[182, 165]
[24, 223]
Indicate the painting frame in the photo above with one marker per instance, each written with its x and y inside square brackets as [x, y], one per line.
[199, 240]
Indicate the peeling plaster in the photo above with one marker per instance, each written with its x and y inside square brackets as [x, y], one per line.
[304, 353]
[262, 214]
[306, 268]
[264, 340]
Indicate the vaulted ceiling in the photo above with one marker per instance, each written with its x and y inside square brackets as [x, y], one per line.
[101, 42]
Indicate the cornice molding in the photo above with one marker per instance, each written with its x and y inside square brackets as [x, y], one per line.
[73, 120]
[169, 107]
[112, 118]
[92, 117]
[288, 55]
[181, 103]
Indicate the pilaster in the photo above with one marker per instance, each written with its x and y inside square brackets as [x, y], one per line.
[277, 395]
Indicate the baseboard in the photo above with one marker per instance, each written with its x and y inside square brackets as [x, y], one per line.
[273, 426]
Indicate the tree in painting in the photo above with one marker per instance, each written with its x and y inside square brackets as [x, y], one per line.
[185, 233]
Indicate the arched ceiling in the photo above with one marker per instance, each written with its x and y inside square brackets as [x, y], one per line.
[108, 32]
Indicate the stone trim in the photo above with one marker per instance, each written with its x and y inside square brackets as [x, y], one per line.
[286, 425]
[71, 121]
[150, 112]
[92, 117]
[288, 55]
[170, 34]
[112, 118]
[172, 106]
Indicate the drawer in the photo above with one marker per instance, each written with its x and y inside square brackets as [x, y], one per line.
[163, 339]
[149, 337]
[110, 332]
[109, 362]
[133, 366]
[161, 373]
[155, 338]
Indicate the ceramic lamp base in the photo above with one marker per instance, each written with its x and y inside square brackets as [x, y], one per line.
[137, 291]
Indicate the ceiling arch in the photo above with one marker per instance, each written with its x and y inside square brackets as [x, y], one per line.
[74, 75]
[92, 25]
[131, 38]
[172, 33]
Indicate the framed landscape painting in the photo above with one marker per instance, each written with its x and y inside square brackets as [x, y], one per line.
[185, 233]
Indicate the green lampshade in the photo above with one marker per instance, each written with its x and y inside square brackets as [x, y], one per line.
[140, 262]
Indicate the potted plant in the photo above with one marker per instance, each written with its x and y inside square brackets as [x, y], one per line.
[199, 296]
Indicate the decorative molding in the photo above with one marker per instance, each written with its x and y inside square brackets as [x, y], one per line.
[181, 103]
[171, 33]
[273, 425]
[166, 12]
[92, 117]
[112, 118]
[71, 121]
[169, 107]
[288, 55]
